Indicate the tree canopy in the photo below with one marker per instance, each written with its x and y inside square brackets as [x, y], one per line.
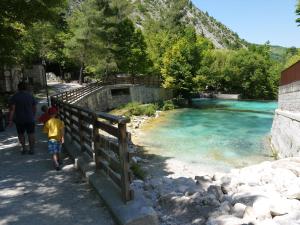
[16, 19]
[98, 38]
[298, 12]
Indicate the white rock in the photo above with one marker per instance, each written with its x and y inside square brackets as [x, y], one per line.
[292, 218]
[182, 188]
[226, 220]
[280, 206]
[136, 159]
[216, 191]
[155, 182]
[293, 190]
[225, 207]
[249, 213]
[281, 178]
[217, 176]
[261, 208]
[288, 164]
[267, 222]
[238, 210]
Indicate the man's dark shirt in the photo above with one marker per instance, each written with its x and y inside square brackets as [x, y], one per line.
[24, 103]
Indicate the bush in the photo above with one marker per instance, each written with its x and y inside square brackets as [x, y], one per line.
[168, 105]
[138, 171]
[136, 109]
[150, 109]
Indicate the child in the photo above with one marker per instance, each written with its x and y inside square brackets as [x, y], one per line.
[54, 127]
[45, 116]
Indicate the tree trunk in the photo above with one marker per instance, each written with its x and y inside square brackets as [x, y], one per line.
[61, 72]
[80, 74]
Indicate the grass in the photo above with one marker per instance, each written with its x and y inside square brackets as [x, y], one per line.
[138, 109]
[138, 171]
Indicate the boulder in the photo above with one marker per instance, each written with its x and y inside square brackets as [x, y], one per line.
[226, 220]
[216, 191]
[281, 206]
[238, 210]
[261, 208]
[292, 218]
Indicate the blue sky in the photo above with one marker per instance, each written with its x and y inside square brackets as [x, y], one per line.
[257, 21]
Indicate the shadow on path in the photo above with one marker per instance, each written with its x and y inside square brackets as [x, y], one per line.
[32, 192]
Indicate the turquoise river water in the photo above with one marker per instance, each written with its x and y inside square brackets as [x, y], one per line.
[223, 133]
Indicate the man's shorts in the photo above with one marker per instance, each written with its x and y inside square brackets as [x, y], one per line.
[54, 146]
[28, 127]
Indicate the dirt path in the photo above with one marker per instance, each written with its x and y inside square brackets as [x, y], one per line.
[32, 192]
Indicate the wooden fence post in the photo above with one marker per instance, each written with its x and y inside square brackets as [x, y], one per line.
[124, 159]
[80, 129]
[95, 138]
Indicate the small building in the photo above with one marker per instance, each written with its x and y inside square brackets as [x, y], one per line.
[10, 77]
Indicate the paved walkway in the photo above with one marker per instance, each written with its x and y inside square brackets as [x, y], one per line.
[32, 192]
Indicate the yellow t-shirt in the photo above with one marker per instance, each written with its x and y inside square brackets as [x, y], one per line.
[54, 128]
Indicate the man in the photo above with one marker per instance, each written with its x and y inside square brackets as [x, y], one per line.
[22, 112]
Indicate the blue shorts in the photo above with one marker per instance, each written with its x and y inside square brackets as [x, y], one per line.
[54, 146]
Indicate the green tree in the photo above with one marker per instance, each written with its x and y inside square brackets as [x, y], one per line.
[180, 64]
[131, 56]
[44, 41]
[17, 17]
[104, 40]
[251, 72]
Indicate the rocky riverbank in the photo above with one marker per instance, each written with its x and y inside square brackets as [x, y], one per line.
[264, 194]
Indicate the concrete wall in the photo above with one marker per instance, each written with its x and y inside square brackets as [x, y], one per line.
[227, 96]
[12, 76]
[285, 139]
[103, 99]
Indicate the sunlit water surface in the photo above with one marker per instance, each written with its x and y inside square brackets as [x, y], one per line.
[218, 133]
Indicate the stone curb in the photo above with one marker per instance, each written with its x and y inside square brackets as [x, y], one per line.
[135, 212]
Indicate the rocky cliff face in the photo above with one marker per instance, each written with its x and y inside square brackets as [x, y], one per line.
[218, 33]
[205, 25]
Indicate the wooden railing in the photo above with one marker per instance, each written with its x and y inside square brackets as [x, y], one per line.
[291, 74]
[144, 80]
[102, 136]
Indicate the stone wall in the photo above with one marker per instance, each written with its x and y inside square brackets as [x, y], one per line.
[12, 76]
[227, 96]
[113, 96]
[285, 135]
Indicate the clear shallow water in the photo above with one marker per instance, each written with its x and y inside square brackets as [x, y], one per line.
[221, 133]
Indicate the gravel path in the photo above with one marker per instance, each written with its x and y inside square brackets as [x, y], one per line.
[32, 192]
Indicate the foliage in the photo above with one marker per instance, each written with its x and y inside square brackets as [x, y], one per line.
[137, 109]
[44, 41]
[16, 19]
[180, 63]
[251, 73]
[292, 56]
[138, 171]
[168, 105]
[298, 11]
[104, 40]
[100, 37]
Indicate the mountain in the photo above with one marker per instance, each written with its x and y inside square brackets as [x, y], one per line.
[278, 53]
[205, 25]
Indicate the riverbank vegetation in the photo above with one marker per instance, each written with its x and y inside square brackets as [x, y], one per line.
[100, 38]
[138, 109]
